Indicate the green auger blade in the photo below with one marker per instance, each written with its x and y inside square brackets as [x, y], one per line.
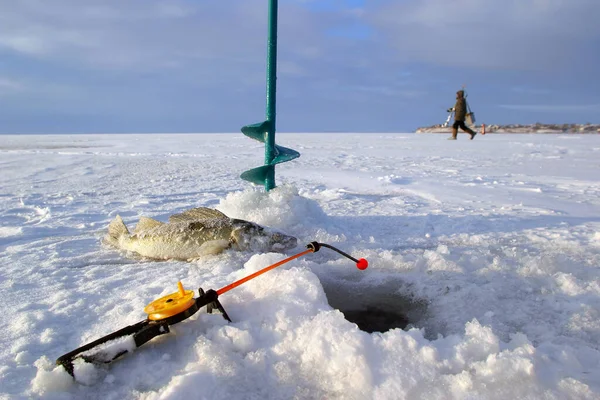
[257, 131]
[257, 175]
[284, 154]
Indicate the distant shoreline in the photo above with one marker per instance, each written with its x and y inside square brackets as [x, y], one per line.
[517, 128]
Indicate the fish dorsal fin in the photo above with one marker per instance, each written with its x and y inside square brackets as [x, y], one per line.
[146, 223]
[197, 214]
[117, 228]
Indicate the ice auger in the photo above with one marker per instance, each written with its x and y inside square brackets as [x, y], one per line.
[264, 132]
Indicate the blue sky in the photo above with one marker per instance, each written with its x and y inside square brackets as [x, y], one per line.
[103, 66]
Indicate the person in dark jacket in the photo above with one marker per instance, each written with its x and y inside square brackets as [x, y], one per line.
[460, 114]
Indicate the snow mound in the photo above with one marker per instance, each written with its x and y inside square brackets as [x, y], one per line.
[281, 207]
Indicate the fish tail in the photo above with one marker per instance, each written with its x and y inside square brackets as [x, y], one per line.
[116, 229]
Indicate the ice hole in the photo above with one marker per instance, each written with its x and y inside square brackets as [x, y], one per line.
[375, 307]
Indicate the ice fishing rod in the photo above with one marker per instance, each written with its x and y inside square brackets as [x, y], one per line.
[169, 310]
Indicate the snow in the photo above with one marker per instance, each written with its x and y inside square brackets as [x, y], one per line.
[486, 252]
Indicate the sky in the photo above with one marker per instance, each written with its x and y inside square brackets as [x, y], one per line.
[129, 66]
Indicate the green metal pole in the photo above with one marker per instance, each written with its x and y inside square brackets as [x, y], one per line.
[265, 131]
[270, 152]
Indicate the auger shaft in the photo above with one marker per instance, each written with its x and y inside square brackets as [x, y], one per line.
[270, 151]
[265, 131]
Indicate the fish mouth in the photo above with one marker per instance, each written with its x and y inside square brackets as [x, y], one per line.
[253, 237]
[275, 241]
[281, 242]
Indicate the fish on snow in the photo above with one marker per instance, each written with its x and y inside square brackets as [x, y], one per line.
[194, 233]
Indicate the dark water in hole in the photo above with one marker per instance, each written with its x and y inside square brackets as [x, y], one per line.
[376, 320]
[375, 307]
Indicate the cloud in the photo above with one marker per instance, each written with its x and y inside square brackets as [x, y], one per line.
[151, 35]
[530, 90]
[192, 60]
[209, 43]
[7, 84]
[511, 34]
[35, 94]
[127, 34]
[551, 108]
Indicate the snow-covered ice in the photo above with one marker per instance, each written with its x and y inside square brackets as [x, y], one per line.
[488, 249]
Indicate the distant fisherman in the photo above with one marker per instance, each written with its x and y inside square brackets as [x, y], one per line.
[460, 114]
[194, 233]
